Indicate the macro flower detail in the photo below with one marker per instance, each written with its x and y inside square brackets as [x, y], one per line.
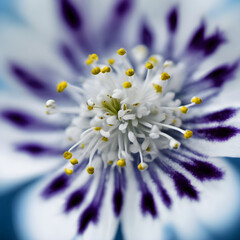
[139, 115]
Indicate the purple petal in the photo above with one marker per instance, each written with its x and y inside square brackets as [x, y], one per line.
[184, 187]
[216, 134]
[146, 35]
[26, 121]
[56, 186]
[70, 15]
[219, 116]
[172, 19]
[37, 149]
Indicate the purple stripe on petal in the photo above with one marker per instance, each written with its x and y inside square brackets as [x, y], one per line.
[213, 42]
[27, 78]
[70, 57]
[216, 134]
[219, 116]
[197, 40]
[147, 201]
[172, 19]
[146, 35]
[118, 192]
[91, 213]
[56, 186]
[123, 7]
[148, 204]
[184, 186]
[161, 190]
[203, 170]
[37, 149]
[77, 197]
[220, 75]
[26, 121]
[70, 15]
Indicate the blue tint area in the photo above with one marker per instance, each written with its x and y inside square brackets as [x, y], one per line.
[8, 10]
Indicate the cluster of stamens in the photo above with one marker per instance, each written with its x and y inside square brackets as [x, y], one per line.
[130, 111]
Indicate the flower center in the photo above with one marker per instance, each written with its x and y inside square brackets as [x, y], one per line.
[125, 108]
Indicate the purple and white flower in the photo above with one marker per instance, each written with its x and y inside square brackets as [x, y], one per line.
[146, 107]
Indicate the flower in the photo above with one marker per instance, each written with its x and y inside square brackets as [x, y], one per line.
[143, 128]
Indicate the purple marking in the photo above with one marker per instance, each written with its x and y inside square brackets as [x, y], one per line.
[161, 190]
[70, 15]
[27, 78]
[148, 204]
[219, 116]
[212, 43]
[184, 187]
[91, 213]
[146, 35]
[35, 149]
[70, 57]
[197, 40]
[57, 185]
[220, 75]
[216, 134]
[147, 201]
[172, 19]
[118, 192]
[203, 170]
[77, 197]
[26, 121]
[123, 7]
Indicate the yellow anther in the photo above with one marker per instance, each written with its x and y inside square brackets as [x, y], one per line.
[148, 149]
[140, 167]
[97, 128]
[121, 51]
[90, 170]
[93, 56]
[104, 139]
[157, 87]
[110, 162]
[127, 84]
[68, 171]
[124, 106]
[89, 61]
[149, 65]
[176, 146]
[165, 76]
[90, 107]
[188, 134]
[96, 70]
[196, 100]
[121, 162]
[153, 60]
[82, 146]
[67, 155]
[111, 61]
[184, 109]
[174, 121]
[136, 104]
[105, 69]
[74, 161]
[130, 72]
[61, 86]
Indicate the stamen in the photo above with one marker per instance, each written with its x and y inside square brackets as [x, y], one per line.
[130, 72]
[90, 170]
[61, 86]
[121, 162]
[121, 51]
[111, 61]
[96, 70]
[127, 84]
[67, 155]
[165, 76]
[74, 161]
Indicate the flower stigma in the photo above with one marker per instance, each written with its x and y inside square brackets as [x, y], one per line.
[124, 107]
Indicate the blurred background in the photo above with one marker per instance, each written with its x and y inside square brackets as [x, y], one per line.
[9, 14]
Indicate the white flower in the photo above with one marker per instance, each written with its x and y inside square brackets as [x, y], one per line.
[145, 125]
